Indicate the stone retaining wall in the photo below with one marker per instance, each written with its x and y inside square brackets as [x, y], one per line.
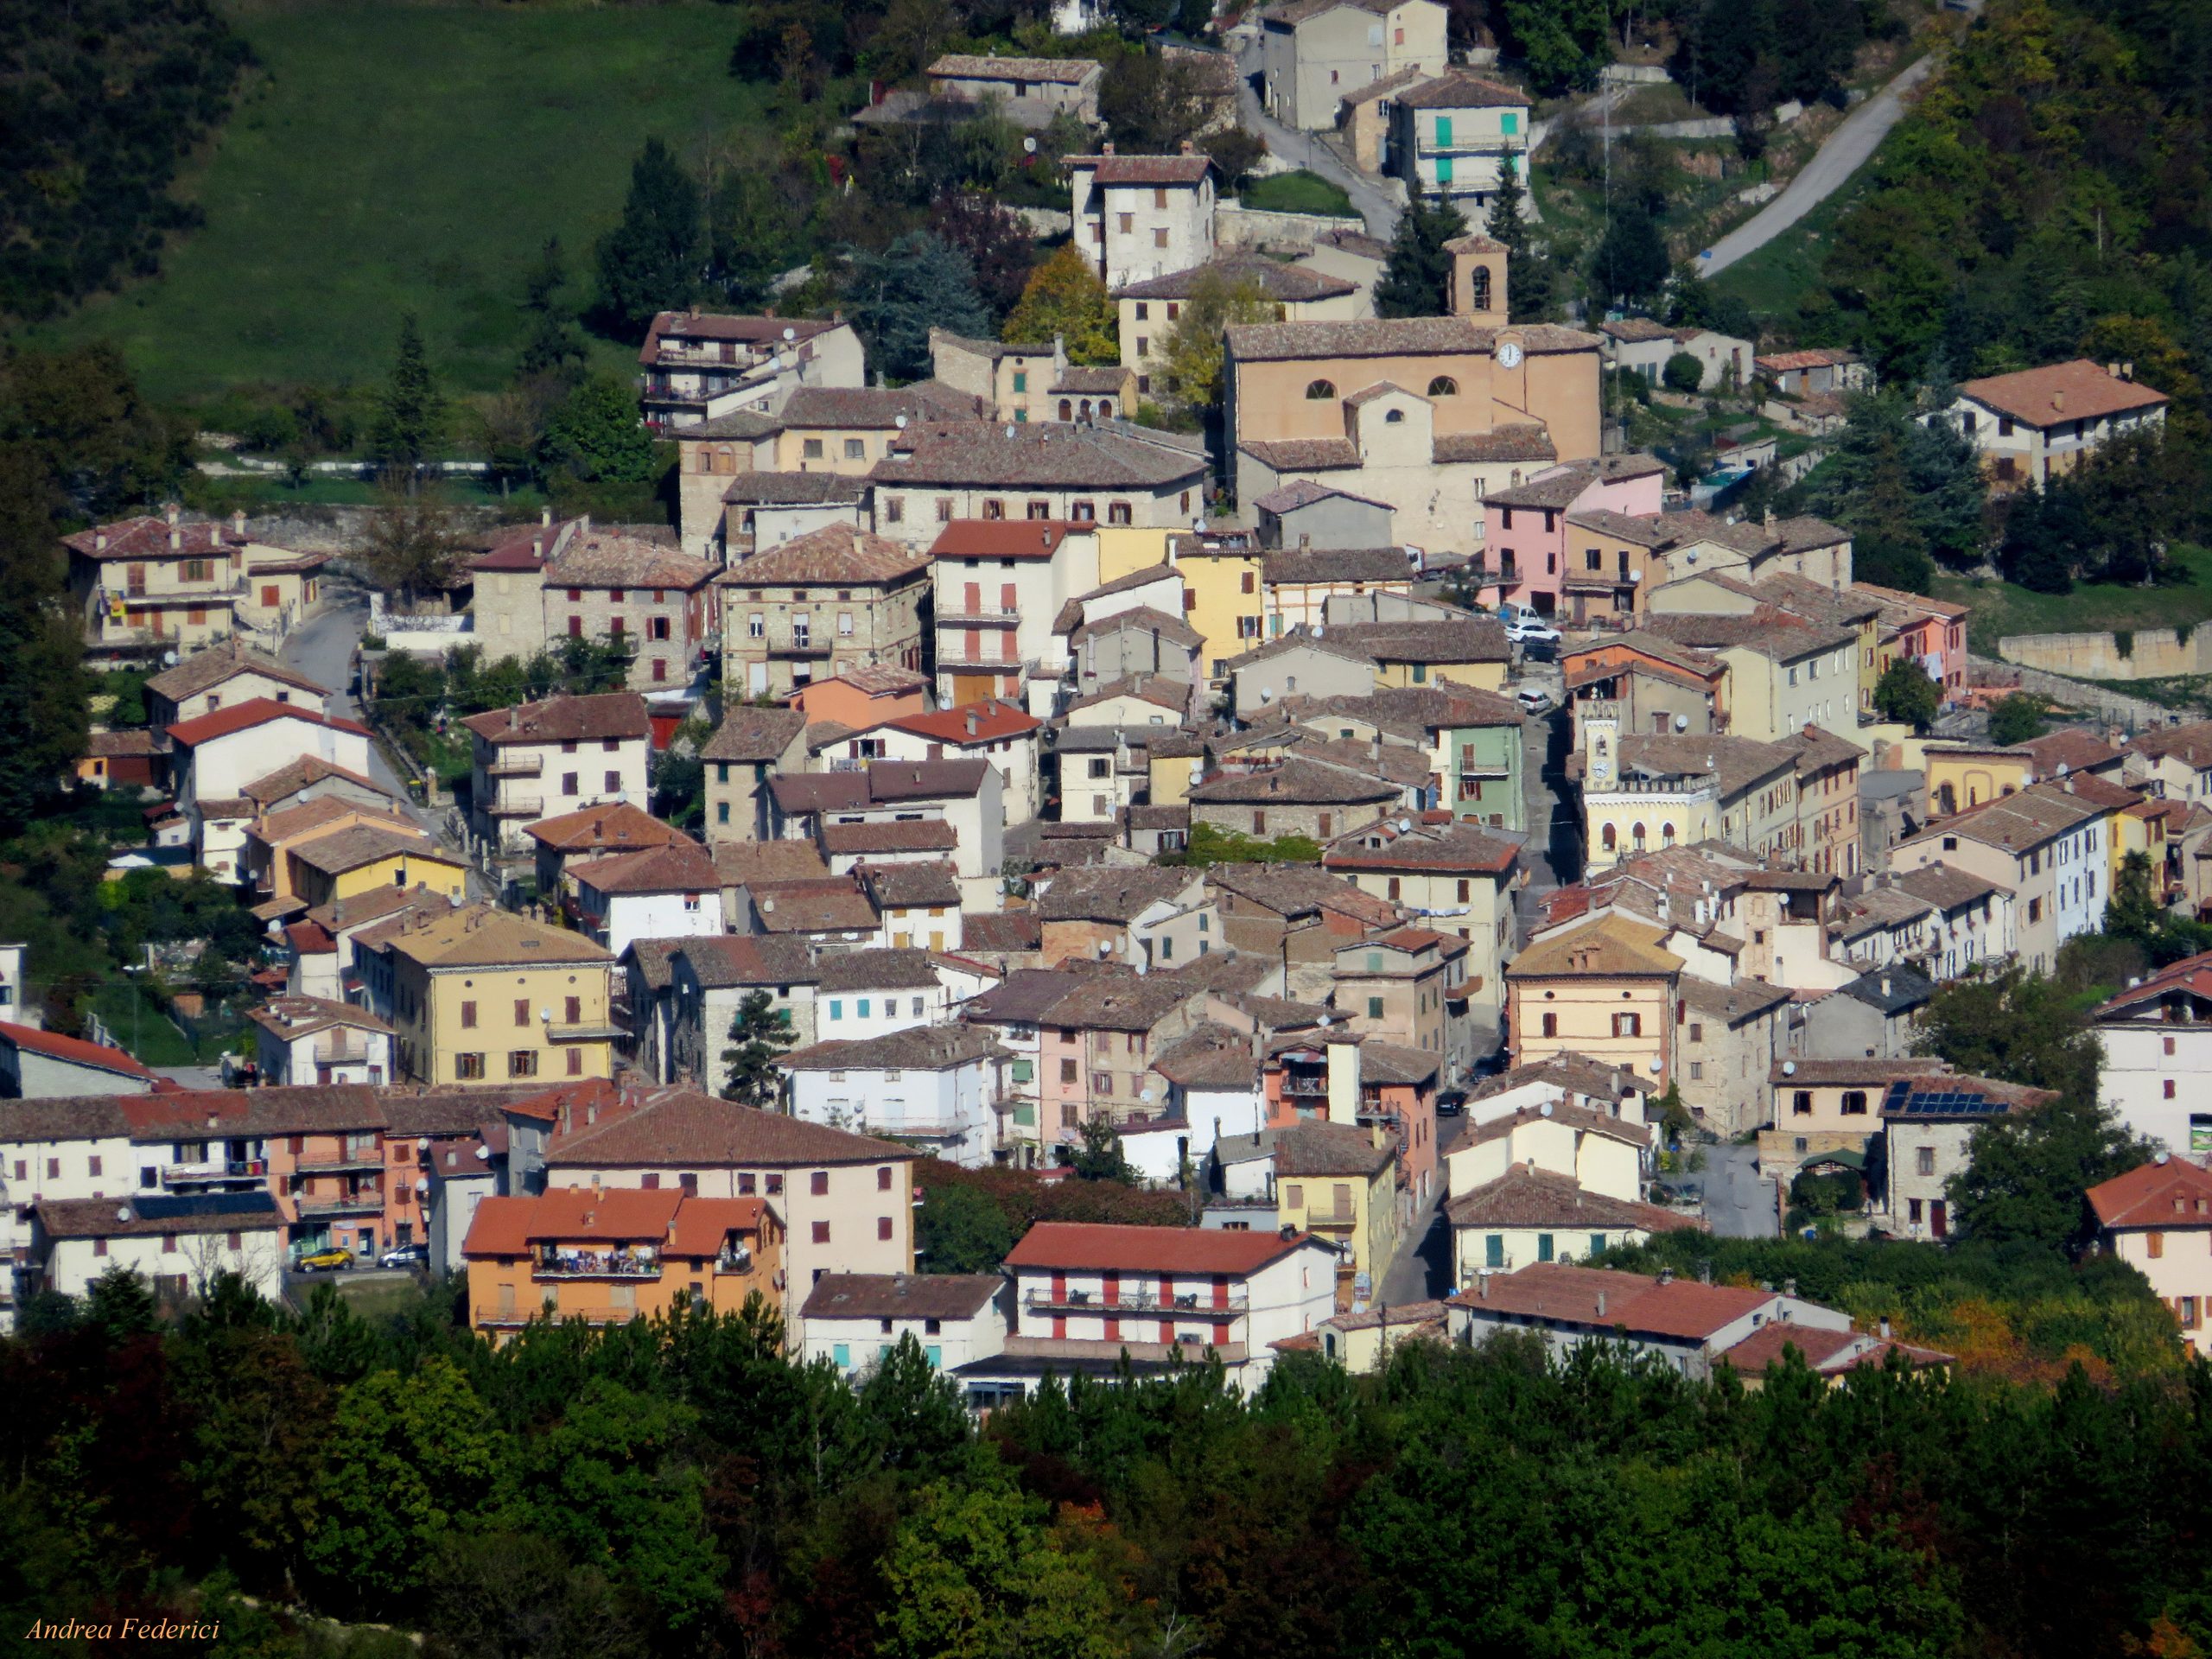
[1238, 227]
[2144, 654]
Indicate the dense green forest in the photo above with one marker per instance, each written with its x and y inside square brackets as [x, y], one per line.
[683, 1489]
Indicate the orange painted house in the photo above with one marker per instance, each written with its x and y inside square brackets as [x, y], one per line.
[611, 1255]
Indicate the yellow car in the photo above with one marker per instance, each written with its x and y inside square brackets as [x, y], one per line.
[326, 1261]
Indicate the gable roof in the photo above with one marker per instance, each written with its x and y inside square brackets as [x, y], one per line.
[1455, 89]
[1287, 284]
[1612, 945]
[621, 827]
[2167, 1192]
[1527, 1196]
[681, 1127]
[2059, 392]
[607, 715]
[755, 735]
[74, 1051]
[678, 866]
[1041, 454]
[1093, 1246]
[483, 935]
[901, 1295]
[255, 711]
[833, 554]
[222, 661]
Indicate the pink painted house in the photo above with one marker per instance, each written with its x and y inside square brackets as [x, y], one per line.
[1931, 631]
[1524, 529]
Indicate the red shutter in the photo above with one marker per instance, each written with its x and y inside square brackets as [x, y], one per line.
[1059, 1287]
[1113, 1294]
[1220, 1291]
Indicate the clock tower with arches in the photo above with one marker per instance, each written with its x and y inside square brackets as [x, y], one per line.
[1478, 275]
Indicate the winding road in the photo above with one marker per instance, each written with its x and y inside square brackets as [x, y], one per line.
[1305, 149]
[1846, 151]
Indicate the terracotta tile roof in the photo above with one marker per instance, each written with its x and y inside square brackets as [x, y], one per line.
[2068, 749]
[990, 722]
[255, 711]
[719, 961]
[2190, 744]
[2059, 392]
[911, 836]
[1304, 454]
[1210, 1056]
[293, 1017]
[2167, 1192]
[901, 1295]
[287, 822]
[1304, 492]
[1456, 846]
[1455, 89]
[1293, 782]
[750, 863]
[147, 538]
[1144, 169]
[1774, 634]
[682, 1128]
[1760, 1352]
[1110, 892]
[1096, 1247]
[881, 409]
[916, 1048]
[1816, 357]
[1141, 619]
[1001, 930]
[565, 720]
[484, 936]
[1291, 890]
[74, 1051]
[220, 662]
[1156, 690]
[1478, 640]
[1386, 564]
[754, 735]
[302, 773]
[1524, 1197]
[680, 866]
[365, 844]
[1632, 330]
[1681, 1309]
[825, 557]
[1322, 1149]
[1611, 945]
[934, 885]
[607, 558]
[1038, 454]
[1287, 284]
[1003, 538]
[2022, 820]
[791, 489]
[147, 1214]
[839, 905]
[1569, 1072]
[703, 1226]
[603, 828]
[119, 745]
[1296, 342]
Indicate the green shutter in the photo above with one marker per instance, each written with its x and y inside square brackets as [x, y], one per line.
[1023, 1070]
[1597, 1243]
[1509, 122]
[1444, 169]
[1494, 1250]
[1543, 1247]
[841, 1356]
[1444, 141]
[1025, 1115]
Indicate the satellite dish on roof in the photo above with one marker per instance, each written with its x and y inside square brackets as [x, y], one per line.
[1681, 722]
[1405, 826]
[1790, 1068]
[123, 1210]
[790, 333]
[898, 420]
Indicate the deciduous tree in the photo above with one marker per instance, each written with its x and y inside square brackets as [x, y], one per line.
[1194, 351]
[1906, 692]
[1065, 297]
[596, 435]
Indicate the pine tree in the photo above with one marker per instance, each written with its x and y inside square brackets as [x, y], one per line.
[1417, 282]
[895, 297]
[555, 348]
[757, 1037]
[653, 259]
[410, 420]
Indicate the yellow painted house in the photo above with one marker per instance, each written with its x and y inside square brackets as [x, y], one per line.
[1605, 991]
[349, 862]
[1964, 776]
[483, 995]
[1335, 1182]
[1222, 591]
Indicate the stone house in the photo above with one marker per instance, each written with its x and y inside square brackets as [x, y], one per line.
[1137, 217]
[604, 585]
[1316, 53]
[1051, 84]
[827, 602]
[694, 366]
[750, 747]
[1289, 798]
[1148, 312]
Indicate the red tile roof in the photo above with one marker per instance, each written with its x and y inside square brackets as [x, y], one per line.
[1090, 1247]
[992, 720]
[701, 1225]
[621, 827]
[147, 537]
[74, 1050]
[2167, 1192]
[1001, 539]
[2059, 392]
[257, 711]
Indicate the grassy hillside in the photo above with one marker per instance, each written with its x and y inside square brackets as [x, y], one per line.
[1999, 609]
[401, 156]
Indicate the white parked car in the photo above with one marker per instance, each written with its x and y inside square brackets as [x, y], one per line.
[1533, 699]
[1527, 628]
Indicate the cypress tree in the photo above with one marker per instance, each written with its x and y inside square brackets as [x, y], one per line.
[653, 259]
[412, 415]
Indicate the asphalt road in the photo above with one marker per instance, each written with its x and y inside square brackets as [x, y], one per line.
[1739, 1203]
[1845, 151]
[1307, 151]
[1422, 1269]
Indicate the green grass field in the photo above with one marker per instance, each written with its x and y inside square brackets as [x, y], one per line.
[400, 157]
[1300, 192]
[1999, 608]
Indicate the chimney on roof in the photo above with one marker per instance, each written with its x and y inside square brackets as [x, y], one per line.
[1186, 147]
[2058, 402]
[238, 522]
[1789, 1286]
[1482, 1287]
[1885, 984]
[100, 541]
[1666, 1276]
[176, 537]
[170, 512]
[1106, 149]
[1601, 1304]
[1884, 1327]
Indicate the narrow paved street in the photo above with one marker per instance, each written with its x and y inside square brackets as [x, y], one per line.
[1848, 148]
[1305, 149]
[1422, 1270]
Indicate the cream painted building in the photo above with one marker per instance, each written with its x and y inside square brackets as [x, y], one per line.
[1316, 53]
[1137, 217]
[2158, 1219]
[1605, 992]
[1148, 312]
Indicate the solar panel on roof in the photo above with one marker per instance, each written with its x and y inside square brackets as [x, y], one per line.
[167, 1207]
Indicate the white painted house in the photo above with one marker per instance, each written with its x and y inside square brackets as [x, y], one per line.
[937, 1087]
[2157, 1037]
[39, 1064]
[177, 1244]
[304, 1040]
[852, 1320]
[860, 994]
[663, 893]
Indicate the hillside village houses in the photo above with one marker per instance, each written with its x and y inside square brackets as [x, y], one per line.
[151, 586]
[2038, 424]
[990, 675]
[1316, 53]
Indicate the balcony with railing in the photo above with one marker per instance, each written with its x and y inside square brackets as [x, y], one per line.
[1131, 1300]
[366, 1201]
[515, 765]
[1337, 1218]
[211, 1171]
[800, 645]
[1306, 1084]
[992, 617]
[638, 1262]
[1484, 572]
[357, 1162]
[499, 1316]
[504, 805]
[347, 1051]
